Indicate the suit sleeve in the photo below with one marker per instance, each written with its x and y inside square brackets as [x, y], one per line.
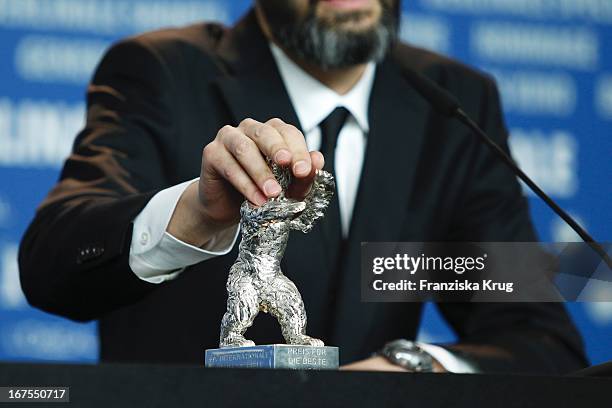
[534, 337]
[73, 258]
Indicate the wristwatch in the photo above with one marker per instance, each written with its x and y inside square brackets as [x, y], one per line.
[408, 355]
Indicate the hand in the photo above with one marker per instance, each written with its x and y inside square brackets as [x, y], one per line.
[234, 167]
[379, 363]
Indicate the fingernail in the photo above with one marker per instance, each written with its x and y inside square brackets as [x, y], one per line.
[282, 156]
[301, 167]
[322, 163]
[260, 199]
[271, 188]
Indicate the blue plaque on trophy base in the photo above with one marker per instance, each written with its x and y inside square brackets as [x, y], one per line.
[285, 356]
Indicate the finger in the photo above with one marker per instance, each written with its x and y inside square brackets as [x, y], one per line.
[268, 140]
[300, 187]
[248, 155]
[301, 162]
[226, 166]
[318, 161]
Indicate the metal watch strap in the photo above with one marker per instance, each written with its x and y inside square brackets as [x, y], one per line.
[407, 354]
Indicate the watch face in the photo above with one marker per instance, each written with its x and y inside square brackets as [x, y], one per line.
[414, 360]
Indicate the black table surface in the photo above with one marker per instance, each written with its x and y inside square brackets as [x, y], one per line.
[107, 385]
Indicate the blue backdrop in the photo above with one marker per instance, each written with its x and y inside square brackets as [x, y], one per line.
[552, 60]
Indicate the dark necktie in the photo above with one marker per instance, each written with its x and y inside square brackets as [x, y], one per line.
[330, 128]
[331, 223]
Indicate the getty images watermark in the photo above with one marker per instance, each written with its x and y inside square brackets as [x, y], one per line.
[483, 272]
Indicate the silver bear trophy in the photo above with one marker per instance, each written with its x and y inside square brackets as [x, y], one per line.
[256, 282]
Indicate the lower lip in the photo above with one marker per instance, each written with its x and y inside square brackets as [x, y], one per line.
[346, 4]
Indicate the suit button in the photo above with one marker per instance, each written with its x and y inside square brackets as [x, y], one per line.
[89, 253]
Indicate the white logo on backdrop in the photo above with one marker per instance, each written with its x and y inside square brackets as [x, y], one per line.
[561, 232]
[590, 10]
[49, 340]
[424, 31]
[58, 60]
[108, 17]
[601, 312]
[571, 47]
[598, 290]
[11, 296]
[603, 96]
[536, 93]
[37, 133]
[5, 212]
[550, 159]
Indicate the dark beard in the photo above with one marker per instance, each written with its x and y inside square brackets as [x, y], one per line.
[324, 45]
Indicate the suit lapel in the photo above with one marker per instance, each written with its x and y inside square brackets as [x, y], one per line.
[397, 116]
[254, 88]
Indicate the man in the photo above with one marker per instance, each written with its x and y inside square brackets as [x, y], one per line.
[128, 237]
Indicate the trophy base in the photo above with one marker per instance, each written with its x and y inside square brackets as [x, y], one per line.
[285, 356]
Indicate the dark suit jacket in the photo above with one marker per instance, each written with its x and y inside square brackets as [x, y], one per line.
[157, 99]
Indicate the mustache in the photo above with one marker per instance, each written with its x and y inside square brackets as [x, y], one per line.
[385, 4]
[388, 7]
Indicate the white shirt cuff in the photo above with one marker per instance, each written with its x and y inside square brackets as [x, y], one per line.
[157, 256]
[451, 362]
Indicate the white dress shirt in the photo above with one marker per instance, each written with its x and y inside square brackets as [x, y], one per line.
[156, 256]
[313, 102]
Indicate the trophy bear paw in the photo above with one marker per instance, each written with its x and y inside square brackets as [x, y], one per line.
[236, 341]
[304, 340]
